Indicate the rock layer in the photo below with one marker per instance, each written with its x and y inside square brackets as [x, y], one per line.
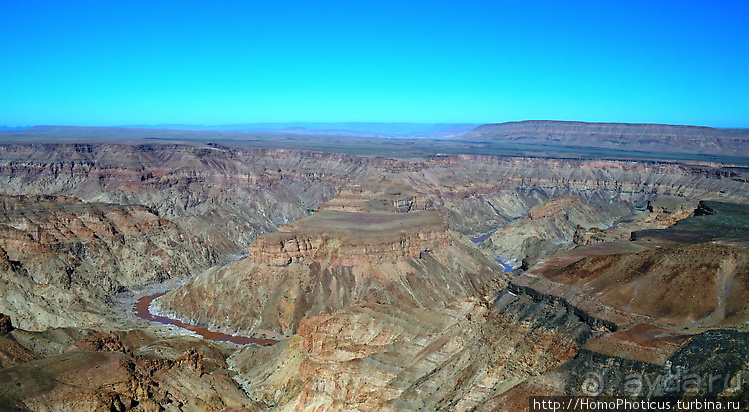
[62, 259]
[350, 239]
[552, 227]
[388, 304]
[124, 371]
[329, 261]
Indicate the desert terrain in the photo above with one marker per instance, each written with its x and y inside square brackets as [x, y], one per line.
[369, 274]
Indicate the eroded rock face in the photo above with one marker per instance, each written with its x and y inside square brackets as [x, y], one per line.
[350, 239]
[486, 353]
[370, 357]
[123, 371]
[229, 196]
[597, 312]
[62, 259]
[225, 197]
[383, 300]
[566, 222]
[331, 260]
[553, 207]
[552, 227]
[707, 284]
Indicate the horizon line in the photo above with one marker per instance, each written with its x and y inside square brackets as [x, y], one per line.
[165, 125]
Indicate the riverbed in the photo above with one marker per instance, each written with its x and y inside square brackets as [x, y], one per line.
[139, 302]
[507, 268]
[142, 309]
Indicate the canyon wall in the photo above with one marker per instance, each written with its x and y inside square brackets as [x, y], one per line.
[350, 239]
[84, 370]
[364, 267]
[225, 197]
[551, 227]
[63, 260]
[329, 261]
[595, 321]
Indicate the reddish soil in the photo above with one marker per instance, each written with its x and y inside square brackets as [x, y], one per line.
[644, 343]
[648, 335]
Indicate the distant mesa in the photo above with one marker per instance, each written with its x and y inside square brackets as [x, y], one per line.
[619, 136]
[537, 138]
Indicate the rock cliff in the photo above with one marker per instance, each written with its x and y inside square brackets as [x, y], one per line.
[329, 261]
[540, 333]
[369, 357]
[122, 371]
[707, 284]
[552, 227]
[225, 197]
[351, 239]
[61, 259]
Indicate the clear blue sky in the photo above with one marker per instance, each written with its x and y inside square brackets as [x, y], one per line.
[137, 62]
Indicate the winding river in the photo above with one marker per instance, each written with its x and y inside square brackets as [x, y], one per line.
[143, 311]
[507, 268]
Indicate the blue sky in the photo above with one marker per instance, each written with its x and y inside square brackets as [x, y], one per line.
[113, 63]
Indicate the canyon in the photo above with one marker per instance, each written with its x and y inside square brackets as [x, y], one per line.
[362, 266]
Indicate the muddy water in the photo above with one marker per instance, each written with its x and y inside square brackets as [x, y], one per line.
[141, 309]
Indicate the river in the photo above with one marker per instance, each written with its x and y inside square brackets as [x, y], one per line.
[507, 268]
[143, 311]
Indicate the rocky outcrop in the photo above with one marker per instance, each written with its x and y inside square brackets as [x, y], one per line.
[329, 261]
[63, 259]
[351, 239]
[567, 222]
[592, 321]
[708, 364]
[281, 249]
[707, 284]
[391, 195]
[552, 227]
[125, 371]
[553, 207]
[711, 221]
[588, 236]
[370, 357]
